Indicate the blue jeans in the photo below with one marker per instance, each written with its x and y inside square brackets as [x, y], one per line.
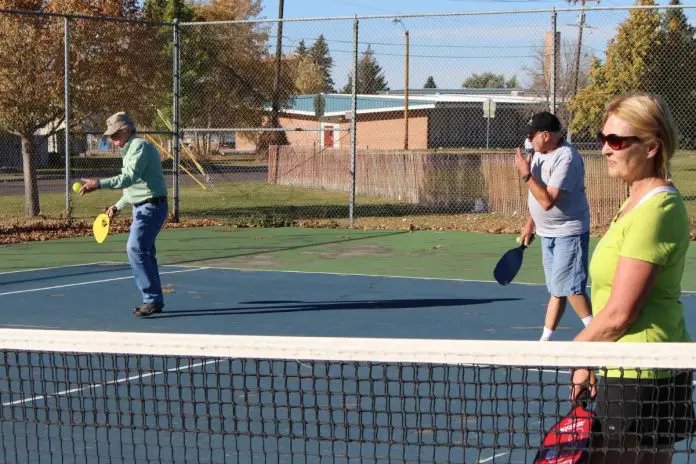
[147, 222]
[566, 262]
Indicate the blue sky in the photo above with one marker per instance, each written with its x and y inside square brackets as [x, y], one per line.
[313, 8]
[450, 48]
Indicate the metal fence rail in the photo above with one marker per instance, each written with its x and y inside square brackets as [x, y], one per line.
[256, 121]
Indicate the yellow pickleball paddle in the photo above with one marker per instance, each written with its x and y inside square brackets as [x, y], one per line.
[101, 227]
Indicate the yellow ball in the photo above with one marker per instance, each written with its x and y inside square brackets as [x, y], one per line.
[76, 187]
[517, 240]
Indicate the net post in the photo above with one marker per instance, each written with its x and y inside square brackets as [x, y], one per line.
[175, 121]
[353, 123]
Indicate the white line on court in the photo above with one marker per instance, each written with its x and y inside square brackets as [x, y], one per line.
[385, 276]
[348, 274]
[36, 398]
[31, 290]
[492, 457]
[53, 267]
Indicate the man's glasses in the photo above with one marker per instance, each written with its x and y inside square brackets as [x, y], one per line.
[617, 142]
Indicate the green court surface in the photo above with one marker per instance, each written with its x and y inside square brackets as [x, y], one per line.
[433, 254]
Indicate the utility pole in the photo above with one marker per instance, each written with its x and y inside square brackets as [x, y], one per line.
[406, 69]
[406, 97]
[576, 67]
[276, 81]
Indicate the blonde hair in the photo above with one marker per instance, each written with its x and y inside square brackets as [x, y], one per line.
[650, 116]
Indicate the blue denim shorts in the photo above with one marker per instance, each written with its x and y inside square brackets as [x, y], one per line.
[566, 262]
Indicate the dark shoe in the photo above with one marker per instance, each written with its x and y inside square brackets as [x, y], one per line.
[147, 309]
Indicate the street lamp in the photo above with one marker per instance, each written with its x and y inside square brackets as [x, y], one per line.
[398, 21]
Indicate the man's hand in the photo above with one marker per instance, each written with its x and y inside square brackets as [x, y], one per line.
[89, 185]
[526, 237]
[111, 211]
[523, 165]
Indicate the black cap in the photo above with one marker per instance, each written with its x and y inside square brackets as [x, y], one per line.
[544, 121]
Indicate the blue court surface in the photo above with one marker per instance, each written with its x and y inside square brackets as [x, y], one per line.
[229, 301]
[200, 409]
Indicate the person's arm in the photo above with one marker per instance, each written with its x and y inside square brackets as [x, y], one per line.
[561, 179]
[527, 232]
[133, 167]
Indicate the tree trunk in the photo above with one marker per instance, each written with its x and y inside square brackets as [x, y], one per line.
[31, 186]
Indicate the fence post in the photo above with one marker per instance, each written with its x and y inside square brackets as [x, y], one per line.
[66, 112]
[175, 123]
[353, 122]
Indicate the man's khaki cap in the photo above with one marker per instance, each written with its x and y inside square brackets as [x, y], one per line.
[118, 121]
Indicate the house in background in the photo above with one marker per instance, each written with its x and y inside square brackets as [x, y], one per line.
[437, 118]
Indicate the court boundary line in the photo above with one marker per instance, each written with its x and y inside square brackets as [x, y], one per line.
[348, 274]
[57, 267]
[37, 398]
[77, 284]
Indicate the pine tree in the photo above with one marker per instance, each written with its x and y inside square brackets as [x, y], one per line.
[672, 73]
[626, 68]
[430, 83]
[301, 50]
[320, 53]
[370, 75]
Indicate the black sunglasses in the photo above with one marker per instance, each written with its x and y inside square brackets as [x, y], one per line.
[617, 142]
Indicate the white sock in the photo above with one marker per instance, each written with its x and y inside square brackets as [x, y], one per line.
[546, 336]
[587, 320]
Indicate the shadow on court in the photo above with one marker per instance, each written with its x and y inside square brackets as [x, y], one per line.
[334, 306]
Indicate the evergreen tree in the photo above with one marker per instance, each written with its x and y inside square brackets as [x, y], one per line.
[370, 75]
[626, 69]
[320, 53]
[430, 83]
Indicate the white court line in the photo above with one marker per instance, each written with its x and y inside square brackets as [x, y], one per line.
[386, 276]
[31, 290]
[36, 398]
[53, 267]
[349, 274]
[493, 457]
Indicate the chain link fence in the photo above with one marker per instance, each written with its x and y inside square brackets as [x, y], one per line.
[265, 121]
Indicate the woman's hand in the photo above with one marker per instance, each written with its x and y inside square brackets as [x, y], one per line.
[582, 379]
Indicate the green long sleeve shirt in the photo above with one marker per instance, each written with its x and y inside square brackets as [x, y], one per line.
[141, 176]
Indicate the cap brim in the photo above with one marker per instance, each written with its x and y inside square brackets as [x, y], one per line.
[112, 130]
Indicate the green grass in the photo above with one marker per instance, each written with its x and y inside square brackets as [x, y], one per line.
[229, 201]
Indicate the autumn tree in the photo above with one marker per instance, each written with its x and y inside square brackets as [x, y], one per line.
[32, 74]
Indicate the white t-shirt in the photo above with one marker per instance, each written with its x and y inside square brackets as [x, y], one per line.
[562, 168]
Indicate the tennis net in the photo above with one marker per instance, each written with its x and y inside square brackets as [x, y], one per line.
[145, 397]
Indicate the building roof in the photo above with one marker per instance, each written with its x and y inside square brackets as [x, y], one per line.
[340, 104]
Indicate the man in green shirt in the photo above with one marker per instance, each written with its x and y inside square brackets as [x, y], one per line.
[144, 188]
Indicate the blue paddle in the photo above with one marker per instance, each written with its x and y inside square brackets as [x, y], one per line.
[509, 265]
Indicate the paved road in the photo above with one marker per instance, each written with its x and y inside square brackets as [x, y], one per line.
[251, 174]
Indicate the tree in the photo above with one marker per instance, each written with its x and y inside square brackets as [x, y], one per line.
[309, 77]
[512, 83]
[301, 49]
[31, 77]
[672, 74]
[370, 75]
[430, 83]
[626, 69]
[565, 76]
[486, 80]
[320, 53]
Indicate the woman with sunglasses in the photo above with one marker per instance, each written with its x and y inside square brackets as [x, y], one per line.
[636, 272]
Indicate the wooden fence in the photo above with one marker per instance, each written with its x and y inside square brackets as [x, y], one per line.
[440, 182]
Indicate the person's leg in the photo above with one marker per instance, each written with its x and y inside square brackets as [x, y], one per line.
[147, 222]
[556, 305]
[570, 269]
